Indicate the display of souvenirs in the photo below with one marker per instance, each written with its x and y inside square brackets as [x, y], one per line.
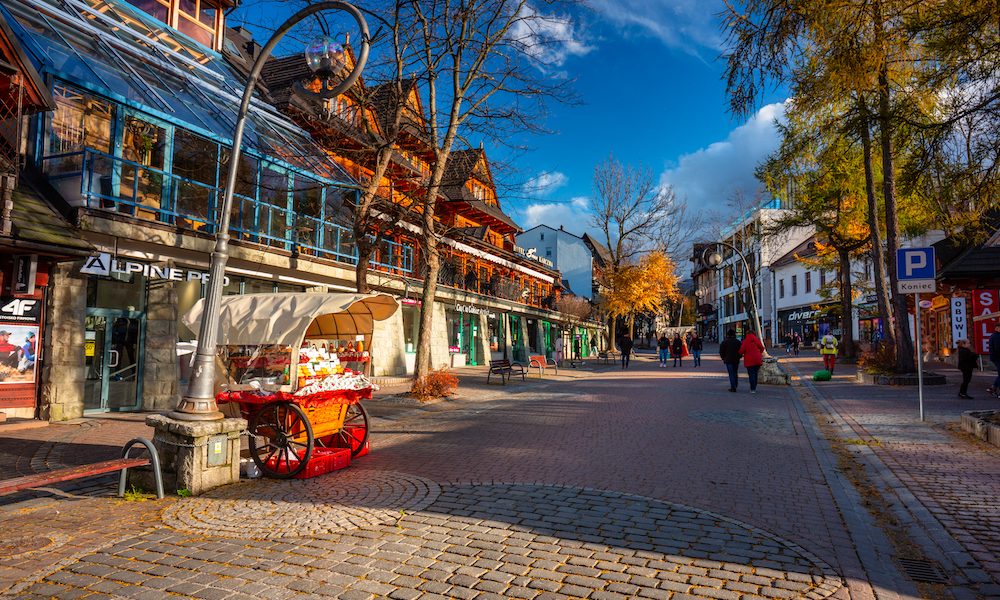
[348, 380]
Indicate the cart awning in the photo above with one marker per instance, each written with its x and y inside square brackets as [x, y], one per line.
[288, 319]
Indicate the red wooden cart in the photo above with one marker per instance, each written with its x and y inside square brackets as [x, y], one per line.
[290, 414]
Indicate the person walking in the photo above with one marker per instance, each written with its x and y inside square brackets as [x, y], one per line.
[625, 345]
[577, 350]
[593, 345]
[663, 344]
[696, 347]
[558, 350]
[994, 348]
[752, 351]
[796, 342]
[677, 350]
[967, 361]
[828, 349]
[729, 352]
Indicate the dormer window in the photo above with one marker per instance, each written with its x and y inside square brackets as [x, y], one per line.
[200, 20]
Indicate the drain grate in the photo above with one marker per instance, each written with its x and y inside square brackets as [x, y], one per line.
[922, 570]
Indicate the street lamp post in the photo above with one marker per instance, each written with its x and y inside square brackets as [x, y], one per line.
[714, 259]
[322, 56]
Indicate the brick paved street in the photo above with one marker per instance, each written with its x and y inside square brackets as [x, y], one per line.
[650, 483]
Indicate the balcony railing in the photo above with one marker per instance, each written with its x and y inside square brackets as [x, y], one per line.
[121, 186]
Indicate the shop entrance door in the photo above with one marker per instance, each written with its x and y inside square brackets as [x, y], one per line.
[113, 353]
[470, 339]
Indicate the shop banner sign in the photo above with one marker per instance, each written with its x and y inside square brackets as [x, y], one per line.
[18, 344]
[20, 310]
[25, 270]
[959, 320]
[985, 314]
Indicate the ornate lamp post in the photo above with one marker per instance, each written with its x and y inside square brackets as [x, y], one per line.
[325, 58]
[714, 259]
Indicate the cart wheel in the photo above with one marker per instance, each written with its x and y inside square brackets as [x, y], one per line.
[354, 433]
[273, 444]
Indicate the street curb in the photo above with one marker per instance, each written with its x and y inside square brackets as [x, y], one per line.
[920, 524]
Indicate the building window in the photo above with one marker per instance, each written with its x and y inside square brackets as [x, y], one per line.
[795, 285]
[541, 236]
[197, 19]
[809, 282]
[548, 251]
[781, 288]
[822, 278]
[79, 121]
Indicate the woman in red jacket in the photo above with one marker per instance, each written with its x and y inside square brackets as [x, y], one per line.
[752, 351]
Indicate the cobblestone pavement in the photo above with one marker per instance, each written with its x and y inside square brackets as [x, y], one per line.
[943, 483]
[607, 484]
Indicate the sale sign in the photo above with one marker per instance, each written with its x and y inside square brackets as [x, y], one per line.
[985, 315]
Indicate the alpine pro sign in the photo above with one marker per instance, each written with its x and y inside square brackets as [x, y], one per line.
[105, 265]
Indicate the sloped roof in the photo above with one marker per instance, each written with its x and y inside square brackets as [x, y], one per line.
[600, 251]
[41, 98]
[462, 167]
[806, 248]
[37, 220]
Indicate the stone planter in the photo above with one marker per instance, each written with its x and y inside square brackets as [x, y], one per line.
[974, 422]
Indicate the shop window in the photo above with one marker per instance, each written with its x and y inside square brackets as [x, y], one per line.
[411, 327]
[144, 143]
[79, 121]
[308, 204]
[274, 203]
[123, 292]
[196, 160]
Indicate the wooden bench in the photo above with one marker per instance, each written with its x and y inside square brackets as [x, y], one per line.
[541, 363]
[505, 369]
[123, 464]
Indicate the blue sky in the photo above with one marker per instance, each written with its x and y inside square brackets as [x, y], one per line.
[652, 85]
[650, 77]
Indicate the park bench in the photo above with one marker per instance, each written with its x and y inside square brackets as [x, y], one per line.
[541, 363]
[609, 355]
[505, 369]
[123, 464]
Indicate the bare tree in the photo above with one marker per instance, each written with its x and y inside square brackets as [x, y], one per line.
[630, 209]
[478, 65]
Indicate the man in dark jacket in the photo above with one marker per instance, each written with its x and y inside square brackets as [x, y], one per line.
[625, 345]
[967, 361]
[729, 352]
[995, 357]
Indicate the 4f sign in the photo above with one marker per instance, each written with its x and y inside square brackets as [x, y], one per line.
[915, 270]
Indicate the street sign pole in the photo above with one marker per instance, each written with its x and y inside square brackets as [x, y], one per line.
[920, 358]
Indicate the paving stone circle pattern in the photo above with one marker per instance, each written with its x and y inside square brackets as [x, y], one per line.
[271, 508]
[465, 541]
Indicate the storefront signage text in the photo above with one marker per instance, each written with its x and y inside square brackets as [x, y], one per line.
[25, 270]
[959, 320]
[985, 312]
[532, 253]
[105, 265]
[473, 310]
[803, 315]
[20, 310]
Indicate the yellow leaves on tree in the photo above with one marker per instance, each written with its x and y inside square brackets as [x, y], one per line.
[639, 287]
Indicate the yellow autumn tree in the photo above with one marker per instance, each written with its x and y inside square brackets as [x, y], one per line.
[639, 287]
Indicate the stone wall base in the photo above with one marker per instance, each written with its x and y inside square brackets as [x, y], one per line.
[974, 422]
[197, 455]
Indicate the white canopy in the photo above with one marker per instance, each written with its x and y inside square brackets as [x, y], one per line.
[287, 319]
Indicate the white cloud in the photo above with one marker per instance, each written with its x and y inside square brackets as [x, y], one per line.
[545, 183]
[689, 25]
[573, 214]
[548, 39]
[709, 177]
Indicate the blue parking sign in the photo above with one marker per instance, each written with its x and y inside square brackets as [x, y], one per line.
[915, 263]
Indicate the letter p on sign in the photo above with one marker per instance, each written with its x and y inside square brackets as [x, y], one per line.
[915, 263]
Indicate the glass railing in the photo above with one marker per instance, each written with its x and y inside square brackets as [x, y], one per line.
[125, 187]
